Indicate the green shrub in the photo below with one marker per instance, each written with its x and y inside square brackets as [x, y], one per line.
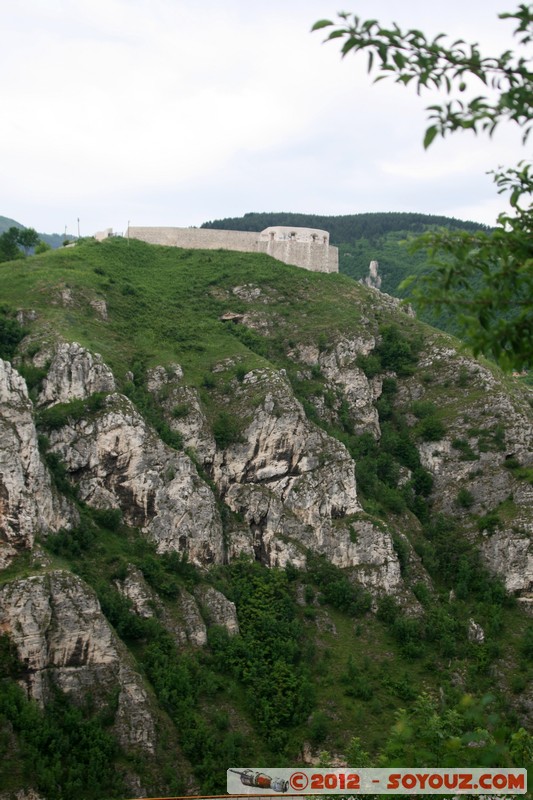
[318, 727]
[422, 481]
[336, 589]
[401, 548]
[431, 429]
[396, 353]
[227, 430]
[463, 377]
[465, 499]
[489, 522]
[208, 381]
[73, 543]
[109, 518]
[391, 499]
[11, 333]
[180, 411]
[61, 414]
[467, 454]
[32, 375]
[388, 609]
[526, 647]
[422, 594]
[59, 473]
[371, 364]
[65, 750]
[423, 408]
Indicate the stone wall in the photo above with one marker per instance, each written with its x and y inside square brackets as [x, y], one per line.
[308, 248]
[197, 238]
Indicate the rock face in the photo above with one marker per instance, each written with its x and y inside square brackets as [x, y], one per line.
[346, 381]
[119, 462]
[295, 486]
[183, 410]
[492, 432]
[219, 609]
[74, 374]
[63, 640]
[509, 554]
[286, 476]
[188, 625]
[373, 279]
[28, 505]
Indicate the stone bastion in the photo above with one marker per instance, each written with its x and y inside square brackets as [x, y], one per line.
[308, 248]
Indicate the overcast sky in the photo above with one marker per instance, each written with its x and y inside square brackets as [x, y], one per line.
[175, 112]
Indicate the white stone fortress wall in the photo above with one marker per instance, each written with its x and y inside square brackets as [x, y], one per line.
[197, 238]
[308, 248]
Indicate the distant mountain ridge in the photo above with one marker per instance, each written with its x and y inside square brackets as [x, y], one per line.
[6, 223]
[55, 240]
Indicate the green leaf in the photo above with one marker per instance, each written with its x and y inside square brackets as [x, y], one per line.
[430, 134]
[347, 46]
[399, 60]
[335, 35]
[322, 23]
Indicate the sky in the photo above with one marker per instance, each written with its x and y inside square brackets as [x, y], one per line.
[176, 112]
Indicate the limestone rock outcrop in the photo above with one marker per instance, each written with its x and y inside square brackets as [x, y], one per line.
[119, 462]
[64, 640]
[219, 610]
[295, 487]
[28, 504]
[481, 445]
[186, 624]
[509, 554]
[346, 380]
[74, 374]
[183, 411]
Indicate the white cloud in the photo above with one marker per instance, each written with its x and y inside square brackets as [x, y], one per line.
[171, 109]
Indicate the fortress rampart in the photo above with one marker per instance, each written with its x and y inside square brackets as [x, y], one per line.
[308, 248]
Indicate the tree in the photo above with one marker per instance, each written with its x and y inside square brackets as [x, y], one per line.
[13, 239]
[9, 249]
[28, 238]
[486, 278]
